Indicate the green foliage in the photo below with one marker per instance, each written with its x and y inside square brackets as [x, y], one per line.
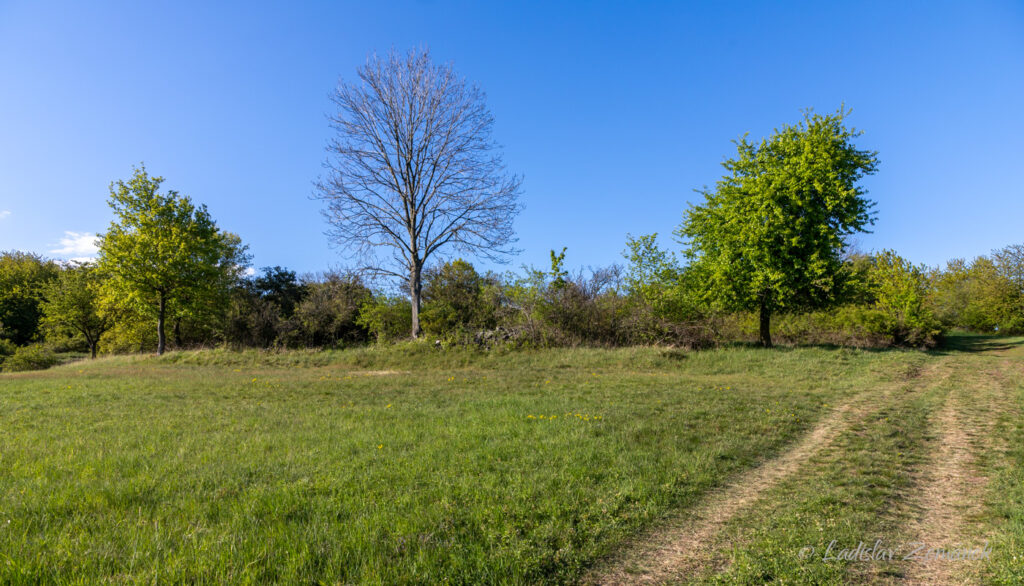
[457, 300]
[329, 312]
[162, 249]
[984, 295]
[558, 272]
[770, 237]
[132, 331]
[252, 320]
[31, 357]
[71, 305]
[7, 348]
[385, 317]
[655, 278]
[901, 290]
[281, 287]
[23, 276]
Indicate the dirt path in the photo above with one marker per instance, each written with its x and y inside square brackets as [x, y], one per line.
[686, 548]
[950, 498]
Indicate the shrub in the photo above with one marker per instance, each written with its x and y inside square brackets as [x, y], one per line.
[32, 357]
[252, 320]
[7, 348]
[329, 313]
[457, 300]
[386, 318]
[851, 325]
[901, 290]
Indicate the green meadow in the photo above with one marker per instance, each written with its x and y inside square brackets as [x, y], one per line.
[406, 464]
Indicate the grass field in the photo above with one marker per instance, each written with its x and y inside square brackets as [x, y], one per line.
[410, 465]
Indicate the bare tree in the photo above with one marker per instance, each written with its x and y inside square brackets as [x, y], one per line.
[413, 172]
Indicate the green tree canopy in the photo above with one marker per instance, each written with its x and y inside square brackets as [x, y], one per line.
[162, 248]
[23, 276]
[71, 305]
[771, 235]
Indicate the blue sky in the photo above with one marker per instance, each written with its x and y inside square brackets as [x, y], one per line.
[613, 112]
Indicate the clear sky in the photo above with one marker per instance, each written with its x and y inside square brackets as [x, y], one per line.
[613, 112]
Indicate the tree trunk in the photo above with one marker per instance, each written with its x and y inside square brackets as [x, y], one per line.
[92, 349]
[415, 288]
[766, 316]
[161, 339]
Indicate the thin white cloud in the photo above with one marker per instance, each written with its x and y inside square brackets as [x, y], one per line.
[83, 259]
[79, 245]
[4, 213]
[248, 272]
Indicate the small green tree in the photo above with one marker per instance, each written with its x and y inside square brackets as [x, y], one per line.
[71, 305]
[161, 248]
[770, 237]
[655, 278]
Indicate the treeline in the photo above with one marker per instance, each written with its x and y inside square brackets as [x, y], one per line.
[48, 307]
[763, 257]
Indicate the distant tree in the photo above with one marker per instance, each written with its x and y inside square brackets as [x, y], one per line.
[23, 276]
[770, 237]
[413, 171]
[280, 286]
[251, 320]
[162, 248]
[1010, 263]
[983, 295]
[329, 312]
[72, 305]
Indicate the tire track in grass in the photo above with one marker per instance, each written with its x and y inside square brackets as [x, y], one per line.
[687, 548]
[951, 497]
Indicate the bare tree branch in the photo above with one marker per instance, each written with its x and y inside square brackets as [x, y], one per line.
[413, 170]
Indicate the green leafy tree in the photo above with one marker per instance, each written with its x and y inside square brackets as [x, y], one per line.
[984, 295]
[280, 286]
[162, 248]
[655, 278]
[72, 305]
[1009, 263]
[771, 235]
[901, 292]
[23, 276]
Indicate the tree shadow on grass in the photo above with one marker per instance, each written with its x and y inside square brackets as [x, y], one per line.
[952, 344]
[966, 342]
